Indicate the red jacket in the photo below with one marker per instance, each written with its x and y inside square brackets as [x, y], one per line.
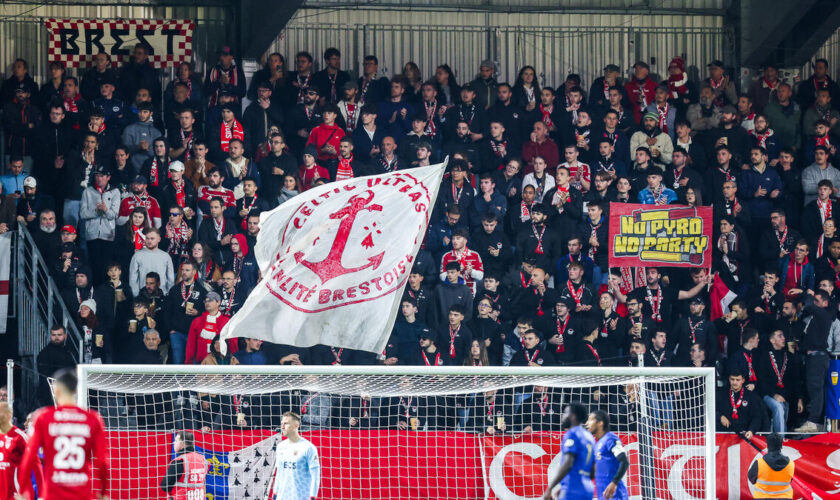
[323, 135]
[548, 150]
[633, 88]
[198, 346]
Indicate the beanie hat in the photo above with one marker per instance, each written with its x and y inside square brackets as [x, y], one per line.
[243, 243]
[679, 62]
[90, 303]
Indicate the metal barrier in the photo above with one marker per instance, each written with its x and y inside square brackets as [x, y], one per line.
[38, 307]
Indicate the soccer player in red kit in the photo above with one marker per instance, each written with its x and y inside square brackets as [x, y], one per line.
[73, 440]
[12, 447]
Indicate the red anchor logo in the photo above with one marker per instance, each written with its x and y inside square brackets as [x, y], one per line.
[331, 266]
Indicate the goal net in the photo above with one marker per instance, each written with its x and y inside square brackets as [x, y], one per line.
[402, 432]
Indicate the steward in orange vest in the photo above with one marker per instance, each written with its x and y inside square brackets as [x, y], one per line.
[772, 474]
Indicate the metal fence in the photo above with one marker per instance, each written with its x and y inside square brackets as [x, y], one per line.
[554, 51]
[24, 35]
[38, 306]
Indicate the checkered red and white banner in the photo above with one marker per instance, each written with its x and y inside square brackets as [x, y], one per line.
[75, 41]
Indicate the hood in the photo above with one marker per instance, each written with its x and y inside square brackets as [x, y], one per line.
[243, 243]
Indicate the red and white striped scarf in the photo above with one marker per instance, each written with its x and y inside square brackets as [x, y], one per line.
[235, 131]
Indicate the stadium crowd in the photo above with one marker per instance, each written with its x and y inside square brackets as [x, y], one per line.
[144, 201]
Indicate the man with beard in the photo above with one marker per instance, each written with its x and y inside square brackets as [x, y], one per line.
[31, 203]
[139, 198]
[183, 303]
[704, 115]
[652, 137]
[761, 188]
[536, 240]
[696, 328]
[726, 171]
[467, 110]
[658, 300]
[680, 176]
[226, 76]
[275, 166]
[395, 113]
[786, 117]
[730, 134]
[665, 110]
[641, 89]
[778, 241]
[304, 116]
[765, 137]
[462, 142]
[607, 160]
[215, 189]
[46, 238]
[779, 380]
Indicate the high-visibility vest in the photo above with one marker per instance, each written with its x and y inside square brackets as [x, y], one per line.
[773, 483]
[190, 485]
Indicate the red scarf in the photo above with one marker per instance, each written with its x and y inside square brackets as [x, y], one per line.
[561, 330]
[546, 115]
[576, 295]
[825, 209]
[761, 138]
[139, 237]
[595, 353]
[736, 404]
[539, 250]
[153, 173]
[71, 104]
[532, 357]
[655, 303]
[780, 374]
[186, 142]
[594, 234]
[215, 74]
[344, 170]
[180, 195]
[336, 355]
[431, 112]
[426, 360]
[351, 116]
[750, 372]
[525, 212]
[823, 141]
[452, 334]
[179, 240]
[663, 117]
[229, 133]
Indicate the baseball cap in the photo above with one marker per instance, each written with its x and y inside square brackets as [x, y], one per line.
[140, 180]
[641, 64]
[717, 63]
[68, 229]
[177, 166]
[225, 50]
[351, 85]
[30, 182]
[213, 296]
[697, 300]
[102, 170]
[729, 109]
[21, 87]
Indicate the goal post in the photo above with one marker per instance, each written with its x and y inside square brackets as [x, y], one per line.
[402, 431]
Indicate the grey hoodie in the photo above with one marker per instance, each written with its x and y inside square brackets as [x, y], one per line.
[100, 226]
[131, 137]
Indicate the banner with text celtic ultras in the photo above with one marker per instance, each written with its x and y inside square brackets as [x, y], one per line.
[652, 235]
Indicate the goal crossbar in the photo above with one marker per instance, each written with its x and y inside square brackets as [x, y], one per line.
[385, 381]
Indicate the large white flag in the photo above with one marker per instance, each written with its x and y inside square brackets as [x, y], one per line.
[335, 260]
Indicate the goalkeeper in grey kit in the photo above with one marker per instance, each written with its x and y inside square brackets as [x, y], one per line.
[297, 470]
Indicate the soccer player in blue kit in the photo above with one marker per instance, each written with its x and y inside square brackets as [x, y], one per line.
[611, 461]
[576, 472]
